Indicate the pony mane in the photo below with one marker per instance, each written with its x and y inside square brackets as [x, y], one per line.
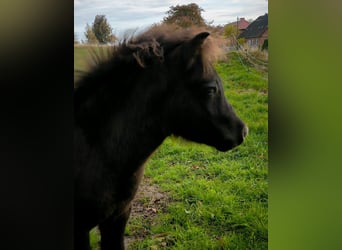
[150, 46]
[170, 36]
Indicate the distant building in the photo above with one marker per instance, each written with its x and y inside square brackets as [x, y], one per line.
[257, 32]
[241, 24]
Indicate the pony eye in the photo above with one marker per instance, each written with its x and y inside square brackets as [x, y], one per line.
[211, 90]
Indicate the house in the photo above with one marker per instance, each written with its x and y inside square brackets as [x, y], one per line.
[241, 24]
[257, 32]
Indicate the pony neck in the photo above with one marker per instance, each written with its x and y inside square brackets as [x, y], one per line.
[127, 128]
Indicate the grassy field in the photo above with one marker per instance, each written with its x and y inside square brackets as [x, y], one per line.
[216, 200]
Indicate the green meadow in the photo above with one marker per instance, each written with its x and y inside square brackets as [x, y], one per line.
[215, 200]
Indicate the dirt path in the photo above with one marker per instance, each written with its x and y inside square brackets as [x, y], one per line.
[149, 201]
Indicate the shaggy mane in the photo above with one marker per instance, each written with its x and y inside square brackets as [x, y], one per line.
[169, 36]
[149, 47]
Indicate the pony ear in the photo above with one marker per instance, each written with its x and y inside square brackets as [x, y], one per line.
[198, 40]
[193, 48]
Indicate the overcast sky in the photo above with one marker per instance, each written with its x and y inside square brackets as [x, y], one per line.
[126, 15]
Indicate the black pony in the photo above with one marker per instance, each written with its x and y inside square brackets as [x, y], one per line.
[157, 84]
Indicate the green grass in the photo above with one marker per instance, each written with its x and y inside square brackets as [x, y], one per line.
[83, 58]
[218, 200]
[81, 55]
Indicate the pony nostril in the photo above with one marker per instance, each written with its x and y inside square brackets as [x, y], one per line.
[244, 131]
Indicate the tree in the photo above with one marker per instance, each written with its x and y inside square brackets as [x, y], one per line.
[185, 15]
[90, 35]
[231, 32]
[102, 29]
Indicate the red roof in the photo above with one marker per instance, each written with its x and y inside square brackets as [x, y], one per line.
[242, 24]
